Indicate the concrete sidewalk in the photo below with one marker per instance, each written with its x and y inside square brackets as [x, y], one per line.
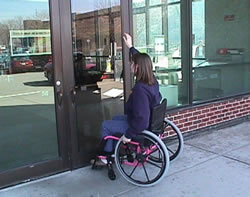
[214, 164]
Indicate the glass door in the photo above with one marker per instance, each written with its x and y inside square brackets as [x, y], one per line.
[28, 104]
[98, 69]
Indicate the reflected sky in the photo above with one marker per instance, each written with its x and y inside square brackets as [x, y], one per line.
[10, 9]
[83, 6]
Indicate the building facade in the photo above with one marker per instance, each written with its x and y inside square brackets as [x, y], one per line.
[64, 69]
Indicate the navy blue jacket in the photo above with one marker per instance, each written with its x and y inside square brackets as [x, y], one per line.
[139, 105]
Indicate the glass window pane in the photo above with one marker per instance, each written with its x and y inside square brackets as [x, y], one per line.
[173, 1]
[28, 130]
[220, 49]
[140, 31]
[138, 3]
[155, 2]
[155, 28]
[160, 37]
[174, 27]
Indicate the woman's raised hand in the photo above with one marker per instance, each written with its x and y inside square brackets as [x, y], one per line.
[128, 40]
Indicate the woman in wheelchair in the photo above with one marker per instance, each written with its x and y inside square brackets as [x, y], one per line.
[136, 147]
[144, 96]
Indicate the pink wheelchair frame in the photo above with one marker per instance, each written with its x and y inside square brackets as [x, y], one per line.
[150, 155]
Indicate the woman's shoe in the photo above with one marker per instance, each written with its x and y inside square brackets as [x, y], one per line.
[98, 162]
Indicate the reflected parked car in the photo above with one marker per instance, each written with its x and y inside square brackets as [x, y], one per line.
[84, 70]
[21, 64]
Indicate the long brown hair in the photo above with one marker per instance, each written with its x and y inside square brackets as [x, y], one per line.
[144, 71]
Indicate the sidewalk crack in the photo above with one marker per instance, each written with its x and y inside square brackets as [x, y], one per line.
[203, 149]
[123, 192]
[234, 159]
[224, 153]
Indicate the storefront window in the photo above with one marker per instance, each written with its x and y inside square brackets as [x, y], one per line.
[157, 31]
[28, 129]
[221, 59]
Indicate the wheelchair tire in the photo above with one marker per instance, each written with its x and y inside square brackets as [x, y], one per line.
[141, 171]
[174, 141]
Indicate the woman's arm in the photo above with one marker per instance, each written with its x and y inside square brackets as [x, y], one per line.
[133, 50]
[139, 115]
[128, 41]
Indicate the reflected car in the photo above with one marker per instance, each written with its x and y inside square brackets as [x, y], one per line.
[84, 70]
[90, 65]
[21, 64]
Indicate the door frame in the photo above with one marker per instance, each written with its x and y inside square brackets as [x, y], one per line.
[75, 155]
[66, 64]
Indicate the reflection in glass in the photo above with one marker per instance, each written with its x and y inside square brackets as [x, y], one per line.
[27, 111]
[174, 1]
[157, 31]
[140, 31]
[155, 2]
[138, 3]
[221, 63]
[97, 51]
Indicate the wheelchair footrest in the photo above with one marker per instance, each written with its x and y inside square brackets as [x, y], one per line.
[111, 173]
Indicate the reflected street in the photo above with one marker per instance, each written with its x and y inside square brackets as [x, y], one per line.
[25, 89]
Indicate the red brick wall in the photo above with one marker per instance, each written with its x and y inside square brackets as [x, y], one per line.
[211, 114]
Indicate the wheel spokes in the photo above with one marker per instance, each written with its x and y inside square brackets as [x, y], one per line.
[150, 162]
[145, 171]
[133, 169]
[170, 150]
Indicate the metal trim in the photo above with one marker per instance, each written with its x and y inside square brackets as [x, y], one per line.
[30, 173]
[61, 113]
[127, 26]
[186, 46]
[68, 80]
[204, 103]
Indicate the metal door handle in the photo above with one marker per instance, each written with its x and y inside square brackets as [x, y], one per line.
[111, 49]
[115, 49]
[59, 97]
[59, 93]
[73, 95]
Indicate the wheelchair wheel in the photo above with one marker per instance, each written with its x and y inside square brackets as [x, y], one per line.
[134, 163]
[173, 139]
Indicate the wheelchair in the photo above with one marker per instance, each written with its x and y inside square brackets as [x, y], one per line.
[144, 161]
